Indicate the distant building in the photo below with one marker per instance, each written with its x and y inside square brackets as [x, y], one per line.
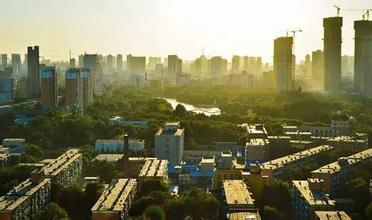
[21, 89]
[268, 78]
[218, 67]
[153, 61]
[256, 131]
[117, 120]
[317, 68]
[15, 145]
[16, 65]
[283, 63]
[235, 64]
[74, 88]
[88, 87]
[331, 215]
[33, 73]
[336, 128]
[25, 200]
[256, 150]
[115, 146]
[169, 143]
[332, 54]
[137, 80]
[4, 59]
[6, 90]
[335, 173]
[92, 72]
[174, 69]
[136, 64]
[119, 63]
[116, 200]
[4, 156]
[49, 90]
[309, 197]
[154, 169]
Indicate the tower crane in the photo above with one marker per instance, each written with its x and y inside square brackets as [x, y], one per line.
[365, 16]
[338, 10]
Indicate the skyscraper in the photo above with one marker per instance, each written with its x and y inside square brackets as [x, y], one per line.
[87, 87]
[283, 63]
[136, 64]
[235, 64]
[49, 96]
[74, 88]
[363, 57]
[16, 64]
[119, 63]
[332, 54]
[218, 67]
[174, 68]
[317, 68]
[33, 73]
[4, 59]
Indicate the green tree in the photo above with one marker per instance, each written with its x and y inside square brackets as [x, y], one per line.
[180, 111]
[270, 213]
[52, 212]
[369, 211]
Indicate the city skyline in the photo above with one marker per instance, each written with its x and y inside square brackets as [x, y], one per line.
[170, 27]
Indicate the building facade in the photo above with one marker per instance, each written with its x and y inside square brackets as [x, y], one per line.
[49, 90]
[283, 63]
[33, 72]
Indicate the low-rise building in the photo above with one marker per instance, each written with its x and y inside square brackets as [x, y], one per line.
[4, 156]
[274, 168]
[117, 145]
[331, 215]
[256, 131]
[309, 197]
[335, 173]
[15, 145]
[256, 150]
[237, 197]
[115, 200]
[154, 169]
[117, 120]
[25, 200]
[195, 156]
[207, 164]
[65, 169]
[336, 128]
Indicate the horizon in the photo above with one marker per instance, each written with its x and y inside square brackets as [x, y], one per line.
[167, 27]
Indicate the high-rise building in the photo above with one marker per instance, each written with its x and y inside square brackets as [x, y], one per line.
[169, 143]
[174, 68]
[201, 66]
[136, 64]
[110, 63]
[33, 72]
[218, 67]
[72, 63]
[92, 62]
[119, 63]
[153, 61]
[87, 87]
[49, 95]
[363, 57]
[332, 54]
[81, 60]
[283, 63]
[4, 59]
[16, 64]
[235, 64]
[74, 88]
[317, 68]
[307, 65]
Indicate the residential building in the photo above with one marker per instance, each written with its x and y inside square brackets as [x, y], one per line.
[137, 80]
[169, 143]
[331, 215]
[174, 69]
[317, 68]
[15, 145]
[256, 131]
[154, 169]
[4, 156]
[6, 89]
[332, 54]
[136, 64]
[235, 64]
[309, 197]
[119, 63]
[16, 65]
[256, 150]
[336, 128]
[74, 88]
[33, 73]
[276, 167]
[116, 200]
[116, 146]
[117, 120]
[335, 173]
[283, 63]
[49, 90]
[25, 199]
[218, 67]
[88, 86]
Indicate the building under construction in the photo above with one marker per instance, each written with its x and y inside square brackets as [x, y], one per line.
[332, 54]
[283, 63]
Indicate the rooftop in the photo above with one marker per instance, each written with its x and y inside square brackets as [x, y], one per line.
[256, 129]
[344, 162]
[115, 196]
[19, 194]
[170, 128]
[282, 161]
[244, 216]
[332, 215]
[312, 197]
[257, 142]
[154, 168]
[109, 157]
[236, 193]
[60, 163]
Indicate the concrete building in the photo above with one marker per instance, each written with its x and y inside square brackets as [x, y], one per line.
[15, 145]
[93, 67]
[115, 200]
[331, 215]
[335, 173]
[4, 59]
[174, 69]
[256, 131]
[332, 54]
[238, 199]
[137, 80]
[336, 128]
[256, 150]
[33, 73]
[16, 65]
[218, 67]
[49, 90]
[88, 86]
[6, 89]
[117, 120]
[283, 63]
[119, 63]
[317, 68]
[235, 64]
[154, 169]
[74, 88]
[25, 200]
[169, 143]
[363, 57]
[276, 167]
[268, 79]
[308, 197]
[116, 146]
[136, 64]
[153, 61]
[4, 156]
[65, 169]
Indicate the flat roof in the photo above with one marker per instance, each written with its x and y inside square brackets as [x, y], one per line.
[61, 162]
[312, 197]
[115, 196]
[19, 194]
[257, 142]
[344, 161]
[283, 161]
[154, 168]
[332, 215]
[256, 129]
[244, 216]
[236, 193]
[109, 157]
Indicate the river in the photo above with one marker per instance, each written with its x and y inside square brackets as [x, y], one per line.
[208, 111]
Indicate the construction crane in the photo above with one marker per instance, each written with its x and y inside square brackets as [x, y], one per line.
[293, 32]
[365, 16]
[338, 10]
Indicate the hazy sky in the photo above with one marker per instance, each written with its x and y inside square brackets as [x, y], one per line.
[162, 27]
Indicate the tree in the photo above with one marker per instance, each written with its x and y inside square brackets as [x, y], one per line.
[151, 185]
[180, 111]
[52, 212]
[278, 195]
[369, 211]
[270, 213]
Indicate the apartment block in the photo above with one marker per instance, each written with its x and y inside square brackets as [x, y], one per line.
[256, 150]
[15, 145]
[309, 197]
[65, 169]
[274, 168]
[25, 200]
[331, 215]
[256, 131]
[115, 200]
[4, 156]
[337, 172]
[154, 169]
